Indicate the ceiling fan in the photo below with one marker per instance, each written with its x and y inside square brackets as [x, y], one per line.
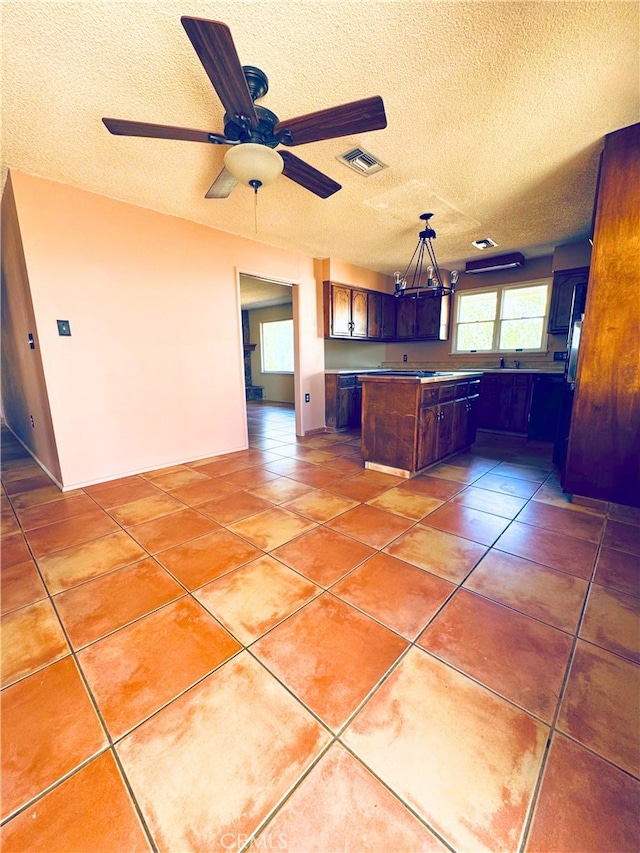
[252, 131]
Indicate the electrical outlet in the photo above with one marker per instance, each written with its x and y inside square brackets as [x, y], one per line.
[560, 356]
[32, 422]
[307, 398]
[404, 357]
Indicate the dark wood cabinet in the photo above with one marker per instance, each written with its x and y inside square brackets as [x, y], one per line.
[504, 402]
[520, 402]
[381, 316]
[374, 315]
[564, 284]
[427, 430]
[343, 401]
[494, 402]
[388, 307]
[345, 311]
[418, 319]
[445, 433]
[604, 439]
[354, 313]
[472, 411]
[405, 319]
[547, 394]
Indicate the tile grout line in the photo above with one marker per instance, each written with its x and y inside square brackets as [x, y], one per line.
[561, 695]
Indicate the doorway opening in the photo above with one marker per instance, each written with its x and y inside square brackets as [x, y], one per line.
[268, 335]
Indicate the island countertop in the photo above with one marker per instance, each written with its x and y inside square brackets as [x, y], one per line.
[420, 376]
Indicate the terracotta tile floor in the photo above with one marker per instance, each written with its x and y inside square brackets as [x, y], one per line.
[278, 650]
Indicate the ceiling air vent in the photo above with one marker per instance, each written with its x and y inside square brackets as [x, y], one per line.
[361, 161]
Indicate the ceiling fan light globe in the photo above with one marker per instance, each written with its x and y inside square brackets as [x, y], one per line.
[251, 161]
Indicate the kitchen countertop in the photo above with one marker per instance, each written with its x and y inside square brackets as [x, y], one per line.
[547, 370]
[358, 370]
[554, 371]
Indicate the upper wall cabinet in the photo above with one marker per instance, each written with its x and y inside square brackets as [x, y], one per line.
[419, 319]
[381, 316]
[345, 311]
[564, 285]
[370, 315]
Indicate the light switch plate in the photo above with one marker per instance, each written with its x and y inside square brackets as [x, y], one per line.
[64, 328]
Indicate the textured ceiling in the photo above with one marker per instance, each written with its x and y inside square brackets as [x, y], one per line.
[496, 114]
[260, 293]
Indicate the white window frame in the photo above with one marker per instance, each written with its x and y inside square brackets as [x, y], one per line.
[263, 346]
[501, 289]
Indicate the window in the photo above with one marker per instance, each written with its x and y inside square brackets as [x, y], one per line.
[277, 346]
[510, 318]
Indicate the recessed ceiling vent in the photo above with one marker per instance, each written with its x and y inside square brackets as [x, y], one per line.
[361, 161]
[485, 243]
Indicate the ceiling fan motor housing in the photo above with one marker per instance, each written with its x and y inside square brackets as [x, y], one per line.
[257, 81]
[235, 128]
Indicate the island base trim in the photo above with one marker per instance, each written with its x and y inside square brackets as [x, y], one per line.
[388, 469]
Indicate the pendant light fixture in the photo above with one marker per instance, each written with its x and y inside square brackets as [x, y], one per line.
[426, 279]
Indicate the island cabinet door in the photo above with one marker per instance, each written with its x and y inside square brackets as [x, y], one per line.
[445, 433]
[426, 438]
[460, 417]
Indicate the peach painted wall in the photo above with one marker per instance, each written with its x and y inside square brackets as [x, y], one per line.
[344, 273]
[152, 374]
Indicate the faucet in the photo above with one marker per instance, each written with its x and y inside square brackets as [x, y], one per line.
[516, 364]
[502, 362]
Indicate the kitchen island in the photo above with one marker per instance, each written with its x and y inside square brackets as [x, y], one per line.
[411, 420]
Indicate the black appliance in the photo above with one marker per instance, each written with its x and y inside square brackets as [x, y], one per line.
[573, 345]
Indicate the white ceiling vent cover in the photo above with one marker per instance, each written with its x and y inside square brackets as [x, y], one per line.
[361, 161]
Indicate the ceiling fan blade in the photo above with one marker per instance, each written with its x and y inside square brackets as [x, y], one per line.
[311, 179]
[222, 186]
[213, 43]
[122, 127]
[354, 117]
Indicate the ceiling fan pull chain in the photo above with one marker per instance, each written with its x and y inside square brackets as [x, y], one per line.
[255, 211]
